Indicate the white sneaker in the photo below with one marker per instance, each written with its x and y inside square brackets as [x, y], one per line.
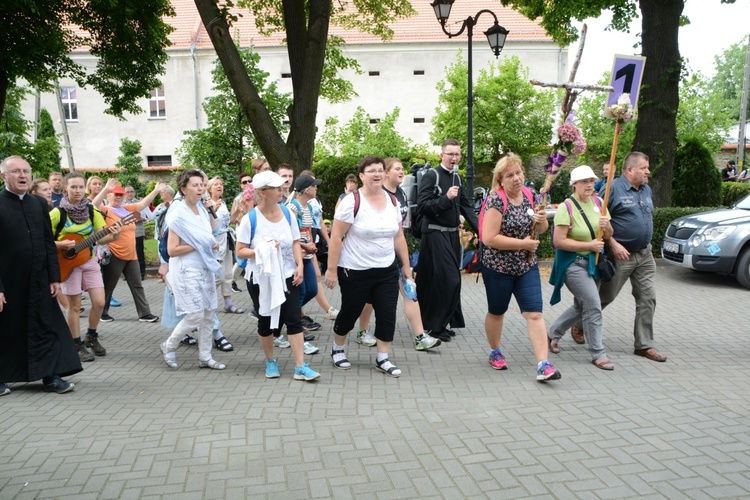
[424, 341]
[332, 313]
[365, 338]
[308, 348]
[281, 342]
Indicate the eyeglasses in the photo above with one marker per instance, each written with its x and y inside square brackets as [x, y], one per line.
[246, 181]
[375, 172]
[18, 171]
[454, 155]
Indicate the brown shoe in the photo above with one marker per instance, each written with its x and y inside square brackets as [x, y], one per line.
[577, 334]
[651, 354]
[552, 345]
[603, 363]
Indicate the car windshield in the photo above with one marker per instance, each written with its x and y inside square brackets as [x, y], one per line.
[744, 203]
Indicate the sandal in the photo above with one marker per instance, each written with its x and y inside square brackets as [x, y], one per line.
[342, 362]
[188, 340]
[391, 370]
[234, 310]
[171, 361]
[603, 363]
[552, 345]
[223, 344]
[213, 364]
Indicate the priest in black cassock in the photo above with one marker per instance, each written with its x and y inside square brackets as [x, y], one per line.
[441, 202]
[35, 342]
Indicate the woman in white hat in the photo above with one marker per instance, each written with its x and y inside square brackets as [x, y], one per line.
[577, 222]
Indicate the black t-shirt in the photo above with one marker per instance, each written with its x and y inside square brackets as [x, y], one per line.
[401, 198]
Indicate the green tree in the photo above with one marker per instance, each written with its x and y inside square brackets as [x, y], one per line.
[730, 72]
[46, 152]
[510, 114]
[359, 138]
[14, 127]
[311, 60]
[128, 38]
[656, 130]
[697, 182]
[130, 163]
[227, 144]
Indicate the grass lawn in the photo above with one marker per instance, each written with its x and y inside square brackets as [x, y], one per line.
[150, 248]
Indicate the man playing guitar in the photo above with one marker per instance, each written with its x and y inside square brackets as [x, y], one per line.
[87, 276]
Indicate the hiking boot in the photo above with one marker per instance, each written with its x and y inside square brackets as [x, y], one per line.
[83, 354]
[92, 342]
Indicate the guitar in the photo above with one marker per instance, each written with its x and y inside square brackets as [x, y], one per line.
[73, 257]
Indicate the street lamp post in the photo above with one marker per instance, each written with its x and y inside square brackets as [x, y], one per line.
[496, 36]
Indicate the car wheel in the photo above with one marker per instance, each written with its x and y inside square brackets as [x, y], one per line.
[743, 268]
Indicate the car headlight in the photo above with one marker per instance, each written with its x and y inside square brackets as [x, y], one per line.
[715, 233]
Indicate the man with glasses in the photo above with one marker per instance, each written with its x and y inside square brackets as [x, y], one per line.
[36, 340]
[632, 209]
[441, 201]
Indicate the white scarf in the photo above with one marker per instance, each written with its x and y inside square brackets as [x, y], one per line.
[194, 231]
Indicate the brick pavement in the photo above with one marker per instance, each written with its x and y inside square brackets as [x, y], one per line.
[450, 427]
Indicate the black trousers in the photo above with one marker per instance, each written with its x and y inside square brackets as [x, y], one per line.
[141, 255]
[291, 314]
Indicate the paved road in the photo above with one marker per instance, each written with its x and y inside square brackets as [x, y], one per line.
[450, 427]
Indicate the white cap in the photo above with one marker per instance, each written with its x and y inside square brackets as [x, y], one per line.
[581, 173]
[267, 178]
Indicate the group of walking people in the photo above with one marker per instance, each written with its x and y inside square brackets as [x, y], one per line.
[280, 231]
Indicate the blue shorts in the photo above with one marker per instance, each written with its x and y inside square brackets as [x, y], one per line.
[527, 289]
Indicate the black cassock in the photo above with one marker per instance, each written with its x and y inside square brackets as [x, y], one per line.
[35, 340]
[438, 270]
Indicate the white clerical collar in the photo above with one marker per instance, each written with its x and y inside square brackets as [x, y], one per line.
[449, 170]
[20, 196]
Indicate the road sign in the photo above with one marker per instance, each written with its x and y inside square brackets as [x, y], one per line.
[627, 74]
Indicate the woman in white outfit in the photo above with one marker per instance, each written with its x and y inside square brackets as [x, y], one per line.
[193, 269]
[269, 235]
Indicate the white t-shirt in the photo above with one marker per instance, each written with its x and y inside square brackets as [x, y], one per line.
[369, 242]
[265, 230]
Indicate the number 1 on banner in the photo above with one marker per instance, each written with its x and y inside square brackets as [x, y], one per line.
[627, 74]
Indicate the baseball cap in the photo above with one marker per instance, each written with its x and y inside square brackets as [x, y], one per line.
[267, 178]
[305, 181]
[732, 162]
[118, 190]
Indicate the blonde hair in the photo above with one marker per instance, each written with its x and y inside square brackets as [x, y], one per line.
[390, 162]
[90, 180]
[211, 183]
[509, 160]
[257, 163]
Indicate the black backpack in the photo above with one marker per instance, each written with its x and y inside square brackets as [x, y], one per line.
[64, 218]
[418, 171]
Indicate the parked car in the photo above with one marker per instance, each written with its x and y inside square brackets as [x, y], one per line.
[715, 241]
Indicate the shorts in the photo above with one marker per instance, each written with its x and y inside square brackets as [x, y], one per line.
[83, 278]
[527, 289]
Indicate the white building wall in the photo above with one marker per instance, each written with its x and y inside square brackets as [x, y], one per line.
[95, 137]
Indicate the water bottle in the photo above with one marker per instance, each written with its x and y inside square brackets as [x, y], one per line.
[410, 289]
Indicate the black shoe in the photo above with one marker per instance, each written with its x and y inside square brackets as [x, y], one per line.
[451, 333]
[57, 384]
[443, 336]
[309, 336]
[106, 318]
[188, 340]
[149, 318]
[311, 325]
[254, 313]
[4, 390]
[235, 288]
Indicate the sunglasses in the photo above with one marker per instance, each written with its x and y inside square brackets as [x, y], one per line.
[246, 182]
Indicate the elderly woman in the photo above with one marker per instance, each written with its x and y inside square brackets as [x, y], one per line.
[222, 234]
[269, 238]
[366, 239]
[577, 223]
[192, 269]
[509, 217]
[124, 258]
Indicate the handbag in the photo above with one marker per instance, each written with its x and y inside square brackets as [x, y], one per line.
[605, 266]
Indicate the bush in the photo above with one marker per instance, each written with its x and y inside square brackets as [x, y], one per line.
[333, 170]
[732, 192]
[696, 180]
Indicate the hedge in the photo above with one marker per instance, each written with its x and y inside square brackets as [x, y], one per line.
[732, 192]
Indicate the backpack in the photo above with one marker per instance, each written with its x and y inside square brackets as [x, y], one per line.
[475, 265]
[253, 216]
[64, 218]
[416, 216]
[597, 202]
[357, 201]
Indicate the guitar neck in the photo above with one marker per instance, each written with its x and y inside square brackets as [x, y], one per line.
[91, 240]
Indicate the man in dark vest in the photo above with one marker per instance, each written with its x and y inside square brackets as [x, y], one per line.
[36, 341]
[441, 201]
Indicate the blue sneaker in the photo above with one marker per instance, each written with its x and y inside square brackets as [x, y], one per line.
[305, 373]
[113, 302]
[272, 369]
[547, 371]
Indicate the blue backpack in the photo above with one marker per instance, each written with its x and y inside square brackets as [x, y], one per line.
[253, 216]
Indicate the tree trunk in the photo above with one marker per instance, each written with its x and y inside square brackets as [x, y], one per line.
[656, 130]
[261, 124]
[306, 45]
